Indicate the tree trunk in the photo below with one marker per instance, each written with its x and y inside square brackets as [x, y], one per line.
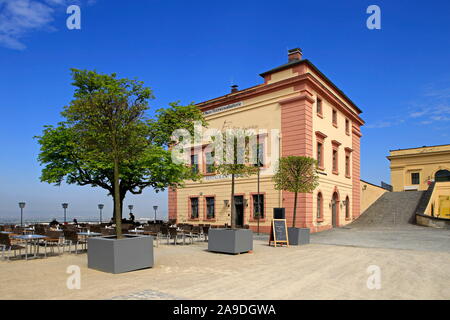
[121, 199]
[117, 202]
[233, 211]
[295, 210]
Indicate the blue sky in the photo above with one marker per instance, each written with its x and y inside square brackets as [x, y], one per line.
[193, 50]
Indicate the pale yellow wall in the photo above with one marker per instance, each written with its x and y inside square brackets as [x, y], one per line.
[262, 112]
[325, 84]
[370, 194]
[441, 189]
[427, 161]
[330, 180]
[281, 75]
[222, 191]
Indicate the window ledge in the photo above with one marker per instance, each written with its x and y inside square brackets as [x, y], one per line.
[347, 176]
[336, 172]
[320, 115]
[256, 220]
[335, 125]
[348, 219]
[194, 219]
[320, 220]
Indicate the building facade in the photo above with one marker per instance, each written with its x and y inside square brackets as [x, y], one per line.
[415, 168]
[300, 112]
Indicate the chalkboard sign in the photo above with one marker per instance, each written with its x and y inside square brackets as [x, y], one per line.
[279, 233]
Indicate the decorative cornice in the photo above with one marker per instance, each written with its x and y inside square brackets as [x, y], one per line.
[336, 143]
[321, 135]
[302, 81]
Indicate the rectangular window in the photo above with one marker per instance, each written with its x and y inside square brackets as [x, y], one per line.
[319, 205]
[258, 206]
[347, 126]
[210, 208]
[319, 106]
[335, 161]
[415, 178]
[347, 165]
[334, 117]
[320, 155]
[209, 162]
[194, 163]
[258, 153]
[194, 208]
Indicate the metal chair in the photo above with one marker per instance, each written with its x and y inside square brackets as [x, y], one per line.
[5, 242]
[53, 240]
[71, 237]
[173, 234]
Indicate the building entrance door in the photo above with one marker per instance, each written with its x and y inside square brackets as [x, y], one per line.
[239, 210]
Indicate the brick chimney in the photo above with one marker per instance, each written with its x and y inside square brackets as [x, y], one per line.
[294, 54]
[234, 88]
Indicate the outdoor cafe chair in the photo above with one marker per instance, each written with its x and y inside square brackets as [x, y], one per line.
[71, 237]
[6, 244]
[95, 228]
[196, 232]
[108, 231]
[173, 234]
[152, 230]
[53, 240]
[205, 232]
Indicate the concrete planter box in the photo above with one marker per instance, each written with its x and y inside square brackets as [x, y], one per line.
[298, 236]
[230, 240]
[113, 255]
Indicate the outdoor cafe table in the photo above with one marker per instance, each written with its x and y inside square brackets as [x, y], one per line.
[89, 234]
[30, 239]
[136, 231]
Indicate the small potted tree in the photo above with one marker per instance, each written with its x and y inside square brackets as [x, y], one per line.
[235, 163]
[296, 174]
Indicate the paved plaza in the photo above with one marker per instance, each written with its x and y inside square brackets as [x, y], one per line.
[333, 266]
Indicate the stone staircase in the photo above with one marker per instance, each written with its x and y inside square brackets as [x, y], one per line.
[392, 208]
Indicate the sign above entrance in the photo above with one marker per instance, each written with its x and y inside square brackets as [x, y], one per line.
[224, 108]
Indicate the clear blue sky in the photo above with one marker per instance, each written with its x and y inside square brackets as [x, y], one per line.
[192, 50]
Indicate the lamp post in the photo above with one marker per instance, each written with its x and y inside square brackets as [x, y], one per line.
[100, 207]
[65, 206]
[258, 209]
[155, 208]
[131, 208]
[21, 206]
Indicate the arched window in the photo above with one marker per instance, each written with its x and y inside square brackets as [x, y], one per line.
[442, 175]
[319, 206]
[347, 208]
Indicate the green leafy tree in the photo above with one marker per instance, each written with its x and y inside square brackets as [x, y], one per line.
[235, 161]
[106, 141]
[298, 175]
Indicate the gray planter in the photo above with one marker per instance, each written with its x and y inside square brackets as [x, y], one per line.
[230, 240]
[298, 236]
[113, 255]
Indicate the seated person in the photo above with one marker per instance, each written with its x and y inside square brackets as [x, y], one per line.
[54, 224]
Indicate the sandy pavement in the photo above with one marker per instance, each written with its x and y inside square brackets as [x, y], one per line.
[314, 271]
